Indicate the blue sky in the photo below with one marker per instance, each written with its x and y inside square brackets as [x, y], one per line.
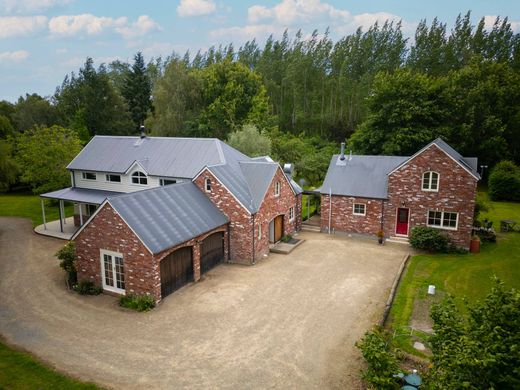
[43, 40]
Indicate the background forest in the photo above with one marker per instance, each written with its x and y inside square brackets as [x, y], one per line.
[294, 98]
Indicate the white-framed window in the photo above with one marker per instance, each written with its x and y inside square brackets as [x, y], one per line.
[277, 188]
[443, 219]
[113, 271]
[88, 175]
[113, 178]
[207, 184]
[167, 182]
[359, 209]
[139, 177]
[259, 231]
[291, 214]
[430, 181]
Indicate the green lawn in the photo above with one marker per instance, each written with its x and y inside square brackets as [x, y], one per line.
[467, 275]
[19, 370]
[28, 206]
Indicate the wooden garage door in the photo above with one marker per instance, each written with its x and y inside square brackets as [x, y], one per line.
[176, 270]
[211, 251]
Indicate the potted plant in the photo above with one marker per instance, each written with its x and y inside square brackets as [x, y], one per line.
[380, 236]
[474, 245]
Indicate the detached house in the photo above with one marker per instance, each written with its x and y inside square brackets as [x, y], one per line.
[435, 187]
[154, 213]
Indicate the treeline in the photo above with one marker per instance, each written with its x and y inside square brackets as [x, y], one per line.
[378, 90]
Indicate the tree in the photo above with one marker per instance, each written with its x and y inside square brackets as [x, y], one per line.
[477, 350]
[8, 167]
[6, 128]
[43, 154]
[33, 110]
[504, 182]
[137, 90]
[250, 141]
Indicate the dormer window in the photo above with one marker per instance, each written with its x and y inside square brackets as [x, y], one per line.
[430, 181]
[277, 188]
[139, 178]
[207, 184]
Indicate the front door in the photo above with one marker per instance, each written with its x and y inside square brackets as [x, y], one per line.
[278, 228]
[402, 222]
[113, 271]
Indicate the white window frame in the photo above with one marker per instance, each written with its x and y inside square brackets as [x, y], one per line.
[207, 184]
[84, 176]
[441, 226]
[107, 178]
[107, 287]
[291, 214]
[139, 176]
[277, 188]
[429, 187]
[359, 204]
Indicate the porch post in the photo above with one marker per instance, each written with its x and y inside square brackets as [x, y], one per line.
[64, 216]
[80, 215]
[61, 216]
[308, 207]
[43, 214]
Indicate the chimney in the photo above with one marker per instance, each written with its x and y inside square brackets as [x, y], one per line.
[342, 154]
[143, 132]
[350, 155]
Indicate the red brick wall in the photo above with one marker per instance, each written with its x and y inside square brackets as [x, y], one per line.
[457, 191]
[343, 218]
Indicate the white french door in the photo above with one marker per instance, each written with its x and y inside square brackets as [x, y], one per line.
[113, 271]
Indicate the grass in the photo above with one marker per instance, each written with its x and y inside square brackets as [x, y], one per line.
[466, 275]
[28, 206]
[19, 370]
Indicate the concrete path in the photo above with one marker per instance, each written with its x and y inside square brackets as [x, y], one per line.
[290, 322]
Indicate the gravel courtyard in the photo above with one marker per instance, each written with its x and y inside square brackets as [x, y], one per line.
[288, 322]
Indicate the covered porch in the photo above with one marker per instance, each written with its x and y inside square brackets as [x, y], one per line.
[86, 201]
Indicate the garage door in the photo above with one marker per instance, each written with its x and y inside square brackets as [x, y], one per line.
[176, 270]
[211, 251]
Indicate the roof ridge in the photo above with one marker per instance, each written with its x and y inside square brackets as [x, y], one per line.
[220, 151]
[155, 137]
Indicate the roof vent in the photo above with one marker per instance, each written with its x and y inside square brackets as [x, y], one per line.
[288, 169]
[143, 132]
[342, 154]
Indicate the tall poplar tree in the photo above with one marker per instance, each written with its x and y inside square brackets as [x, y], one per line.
[137, 90]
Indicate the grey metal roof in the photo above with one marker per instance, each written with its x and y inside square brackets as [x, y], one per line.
[363, 176]
[159, 156]
[82, 195]
[166, 216]
[470, 163]
[296, 187]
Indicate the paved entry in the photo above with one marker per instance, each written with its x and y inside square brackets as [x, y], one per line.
[176, 270]
[211, 251]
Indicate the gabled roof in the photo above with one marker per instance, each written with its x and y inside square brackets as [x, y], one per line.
[159, 156]
[167, 216]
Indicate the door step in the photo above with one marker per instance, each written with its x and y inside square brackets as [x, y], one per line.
[311, 228]
[398, 240]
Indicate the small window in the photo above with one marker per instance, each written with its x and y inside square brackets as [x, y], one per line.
[113, 178]
[277, 187]
[291, 214]
[88, 175]
[139, 178]
[259, 231]
[167, 182]
[207, 184]
[359, 209]
[430, 181]
[443, 220]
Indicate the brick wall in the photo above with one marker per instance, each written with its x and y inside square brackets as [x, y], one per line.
[457, 191]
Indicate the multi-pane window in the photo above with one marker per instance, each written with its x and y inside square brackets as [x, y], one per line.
[277, 188]
[207, 184]
[113, 271]
[442, 219]
[88, 175]
[139, 178]
[167, 182]
[359, 209]
[430, 181]
[113, 178]
[291, 214]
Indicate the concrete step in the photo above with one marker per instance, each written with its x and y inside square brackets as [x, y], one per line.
[311, 228]
[398, 240]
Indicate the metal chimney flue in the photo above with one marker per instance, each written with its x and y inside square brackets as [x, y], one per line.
[143, 132]
[342, 154]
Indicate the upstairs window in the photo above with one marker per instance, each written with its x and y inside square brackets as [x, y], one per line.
[207, 184]
[277, 188]
[359, 209]
[139, 178]
[88, 175]
[167, 182]
[430, 181]
[113, 178]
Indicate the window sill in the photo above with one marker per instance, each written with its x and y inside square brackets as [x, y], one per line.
[443, 228]
[424, 190]
[359, 215]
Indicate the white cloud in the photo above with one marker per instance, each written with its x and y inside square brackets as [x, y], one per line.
[13, 56]
[29, 6]
[195, 7]
[489, 21]
[11, 26]
[143, 25]
[258, 31]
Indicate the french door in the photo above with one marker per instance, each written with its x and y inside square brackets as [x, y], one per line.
[113, 271]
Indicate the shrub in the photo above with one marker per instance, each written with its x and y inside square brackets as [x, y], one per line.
[137, 302]
[429, 239]
[486, 235]
[67, 255]
[504, 182]
[86, 287]
[381, 361]
[286, 238]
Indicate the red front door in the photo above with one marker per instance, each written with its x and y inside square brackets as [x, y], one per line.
[402, 222]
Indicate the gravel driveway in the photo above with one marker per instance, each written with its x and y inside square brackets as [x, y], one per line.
[289, 322]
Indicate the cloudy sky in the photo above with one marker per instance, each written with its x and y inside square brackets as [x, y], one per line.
[43, 40]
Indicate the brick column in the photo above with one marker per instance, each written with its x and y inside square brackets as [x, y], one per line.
[196, 261]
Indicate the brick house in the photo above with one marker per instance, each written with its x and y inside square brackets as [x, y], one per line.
[435, 187]
[154, 213]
